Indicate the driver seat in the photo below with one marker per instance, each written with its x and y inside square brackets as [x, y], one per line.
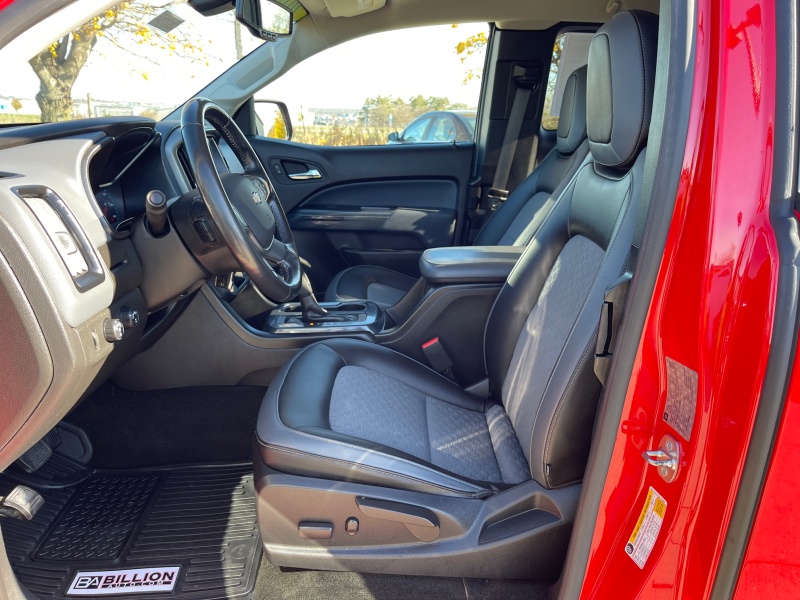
[368, 461]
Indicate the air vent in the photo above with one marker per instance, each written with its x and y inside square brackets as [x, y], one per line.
[66, 234]
[183, 158]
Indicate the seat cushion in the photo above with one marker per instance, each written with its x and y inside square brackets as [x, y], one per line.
[382, 286]
[343, 409]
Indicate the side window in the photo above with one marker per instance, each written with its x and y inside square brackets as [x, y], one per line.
[416, 131]
[570, 52]
[443, 130]
[368, 91]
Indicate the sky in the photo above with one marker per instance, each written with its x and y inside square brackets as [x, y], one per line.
[402, 63]
[398, 63]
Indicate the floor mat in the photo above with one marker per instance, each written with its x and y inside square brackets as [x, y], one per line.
[275, 584]
[200, 520]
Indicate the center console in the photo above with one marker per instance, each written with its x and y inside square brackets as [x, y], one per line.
[360, 316]
[231, 335]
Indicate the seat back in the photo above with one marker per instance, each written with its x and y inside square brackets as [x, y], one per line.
[518, 218]
[540, 337]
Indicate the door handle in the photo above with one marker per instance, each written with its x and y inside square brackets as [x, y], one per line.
[310, 174]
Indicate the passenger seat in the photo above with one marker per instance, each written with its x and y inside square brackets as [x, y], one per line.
[512, 224]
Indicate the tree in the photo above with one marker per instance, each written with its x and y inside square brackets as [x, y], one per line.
[467, 49]
[548, 121]
[59, 65]
[16, 104]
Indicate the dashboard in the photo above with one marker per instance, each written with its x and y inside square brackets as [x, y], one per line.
[75, 257]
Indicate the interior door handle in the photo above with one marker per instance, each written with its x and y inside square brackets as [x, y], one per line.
[310, 174]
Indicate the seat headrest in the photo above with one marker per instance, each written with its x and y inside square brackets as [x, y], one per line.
[572, 115]
[621, 79]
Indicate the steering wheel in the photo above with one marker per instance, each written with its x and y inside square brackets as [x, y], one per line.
[244, 206]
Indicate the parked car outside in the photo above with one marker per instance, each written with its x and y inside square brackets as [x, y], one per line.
[438, 126]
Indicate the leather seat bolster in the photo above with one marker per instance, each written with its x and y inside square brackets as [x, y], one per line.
[294, 431]
[331, 467]
[521, 292]
[305, 401]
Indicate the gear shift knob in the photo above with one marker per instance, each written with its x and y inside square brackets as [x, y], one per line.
[312, 311]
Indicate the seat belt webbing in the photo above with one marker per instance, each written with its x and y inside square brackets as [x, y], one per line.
[525, 81]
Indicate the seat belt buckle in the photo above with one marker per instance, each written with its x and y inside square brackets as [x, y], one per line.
[495, 198]
[438, 358]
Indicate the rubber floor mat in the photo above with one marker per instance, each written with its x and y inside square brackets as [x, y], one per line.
[200, 522]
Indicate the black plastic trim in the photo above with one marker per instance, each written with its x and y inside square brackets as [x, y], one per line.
[30, 134]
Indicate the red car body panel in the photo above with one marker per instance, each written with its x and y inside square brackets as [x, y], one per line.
[712, 311]
[771, 567]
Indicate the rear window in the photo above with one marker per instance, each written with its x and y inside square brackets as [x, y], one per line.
[570, 52]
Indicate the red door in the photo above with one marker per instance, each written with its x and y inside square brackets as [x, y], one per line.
[702, 358]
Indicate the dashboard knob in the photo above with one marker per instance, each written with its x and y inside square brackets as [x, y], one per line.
[129, 317]
[113, 330]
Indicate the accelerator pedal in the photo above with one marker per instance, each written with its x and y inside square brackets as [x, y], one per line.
[21, 503]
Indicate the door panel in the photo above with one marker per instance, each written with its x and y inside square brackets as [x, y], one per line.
[376, 205]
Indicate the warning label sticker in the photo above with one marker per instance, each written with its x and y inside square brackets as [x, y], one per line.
[681, 398]
[127, 581]
[645, 534]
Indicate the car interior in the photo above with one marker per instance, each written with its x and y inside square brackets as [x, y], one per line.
[286, 370]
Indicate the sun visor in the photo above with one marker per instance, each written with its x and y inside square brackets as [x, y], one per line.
[352, 8]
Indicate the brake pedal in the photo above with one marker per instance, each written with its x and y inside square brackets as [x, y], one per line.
[22, 503]
[40, 453]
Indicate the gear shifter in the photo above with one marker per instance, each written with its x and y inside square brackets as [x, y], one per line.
[312, 311]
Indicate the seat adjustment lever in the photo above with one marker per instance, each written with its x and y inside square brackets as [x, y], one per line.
[421, 522]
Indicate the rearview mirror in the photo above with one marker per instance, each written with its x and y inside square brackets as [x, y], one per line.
[265, 19]
[394, 136]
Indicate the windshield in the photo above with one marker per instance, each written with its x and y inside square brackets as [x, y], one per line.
[137, 58]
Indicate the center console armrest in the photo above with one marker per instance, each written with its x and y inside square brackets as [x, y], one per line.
[469, 264]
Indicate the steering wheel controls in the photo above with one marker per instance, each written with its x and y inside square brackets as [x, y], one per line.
[113, 330]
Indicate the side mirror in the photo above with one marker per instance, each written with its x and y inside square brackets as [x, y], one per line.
[265, 19]
[275, 120]
[394, 137]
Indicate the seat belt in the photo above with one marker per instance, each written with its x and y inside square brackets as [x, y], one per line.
[525, 80]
